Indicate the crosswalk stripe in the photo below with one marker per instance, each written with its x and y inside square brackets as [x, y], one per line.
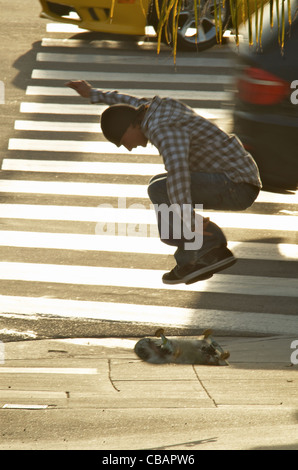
[39, 90]
[145, 279]
[143, 43]
[265, 323]
[132, 77]
[114, 44]
[48, 370]
[50, 212]
[123, 244]
[107, 168]
[106, 213]
[193, 95]
[23, 394]
[34, 90]
[111, 44]
[117, 168]
[104, 168]
[72, 188]
[56, 126]
[158, 60]
[64, 126]
[105, 189]
[58, 108]
[28, 406]
[76, 146]
[99, 44]
[106, 216]
[64, 28]
[96, 110]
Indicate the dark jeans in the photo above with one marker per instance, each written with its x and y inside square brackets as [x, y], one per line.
[214, 191]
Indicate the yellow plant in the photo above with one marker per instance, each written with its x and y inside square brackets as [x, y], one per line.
[240, 10]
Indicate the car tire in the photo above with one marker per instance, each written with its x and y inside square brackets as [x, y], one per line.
[206, 38]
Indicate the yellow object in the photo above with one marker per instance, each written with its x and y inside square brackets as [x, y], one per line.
[106, 16]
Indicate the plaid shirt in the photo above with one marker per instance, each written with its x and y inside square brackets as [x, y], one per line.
[187, 143]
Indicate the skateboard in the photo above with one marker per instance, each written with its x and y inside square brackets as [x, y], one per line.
[203, 350]
[214, 347]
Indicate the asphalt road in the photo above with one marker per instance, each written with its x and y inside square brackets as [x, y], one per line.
[57, 278]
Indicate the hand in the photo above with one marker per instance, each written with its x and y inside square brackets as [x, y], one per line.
[82, 87]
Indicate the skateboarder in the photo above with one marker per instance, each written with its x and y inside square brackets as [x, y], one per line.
[203, 164]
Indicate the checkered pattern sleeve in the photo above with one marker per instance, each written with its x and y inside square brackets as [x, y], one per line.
[173, 145]
[113, 97]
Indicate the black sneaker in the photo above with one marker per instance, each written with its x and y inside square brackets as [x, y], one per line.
[215, 260]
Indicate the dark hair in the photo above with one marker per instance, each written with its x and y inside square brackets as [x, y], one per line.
[116, 119]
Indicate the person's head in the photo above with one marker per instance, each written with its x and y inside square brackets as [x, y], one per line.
[121, 125]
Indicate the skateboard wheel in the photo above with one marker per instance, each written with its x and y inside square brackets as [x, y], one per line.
[225, 355]
[159, 332]
[207, 333]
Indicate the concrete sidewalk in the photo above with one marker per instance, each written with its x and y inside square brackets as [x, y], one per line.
[96, 394]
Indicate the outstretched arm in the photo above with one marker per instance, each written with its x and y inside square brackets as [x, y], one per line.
[86, 90]
[82, 87]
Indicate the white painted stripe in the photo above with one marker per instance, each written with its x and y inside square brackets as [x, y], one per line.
[68, 42]
[64, 126]
[16, 406]
[72, 188]
[148, 77]
[123, 244]
[23, 334]
[158, 60]
[146, 44]
[145, 279]
[148, 93]
[230, 322]
[28, 394]
[113, 44]
[64, 28]
[96, 110]
[276, 198]
[103, 189]
[104, 168]
[106, 213]
[55, 126]
[76, 146]
[74, 28]
[48, 212]
[48, 370]
[118, 168]
[57, 108]
[106, 189]
[50, 91]
[66, 166]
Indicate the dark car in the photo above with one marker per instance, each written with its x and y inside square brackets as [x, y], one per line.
[266, 103]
